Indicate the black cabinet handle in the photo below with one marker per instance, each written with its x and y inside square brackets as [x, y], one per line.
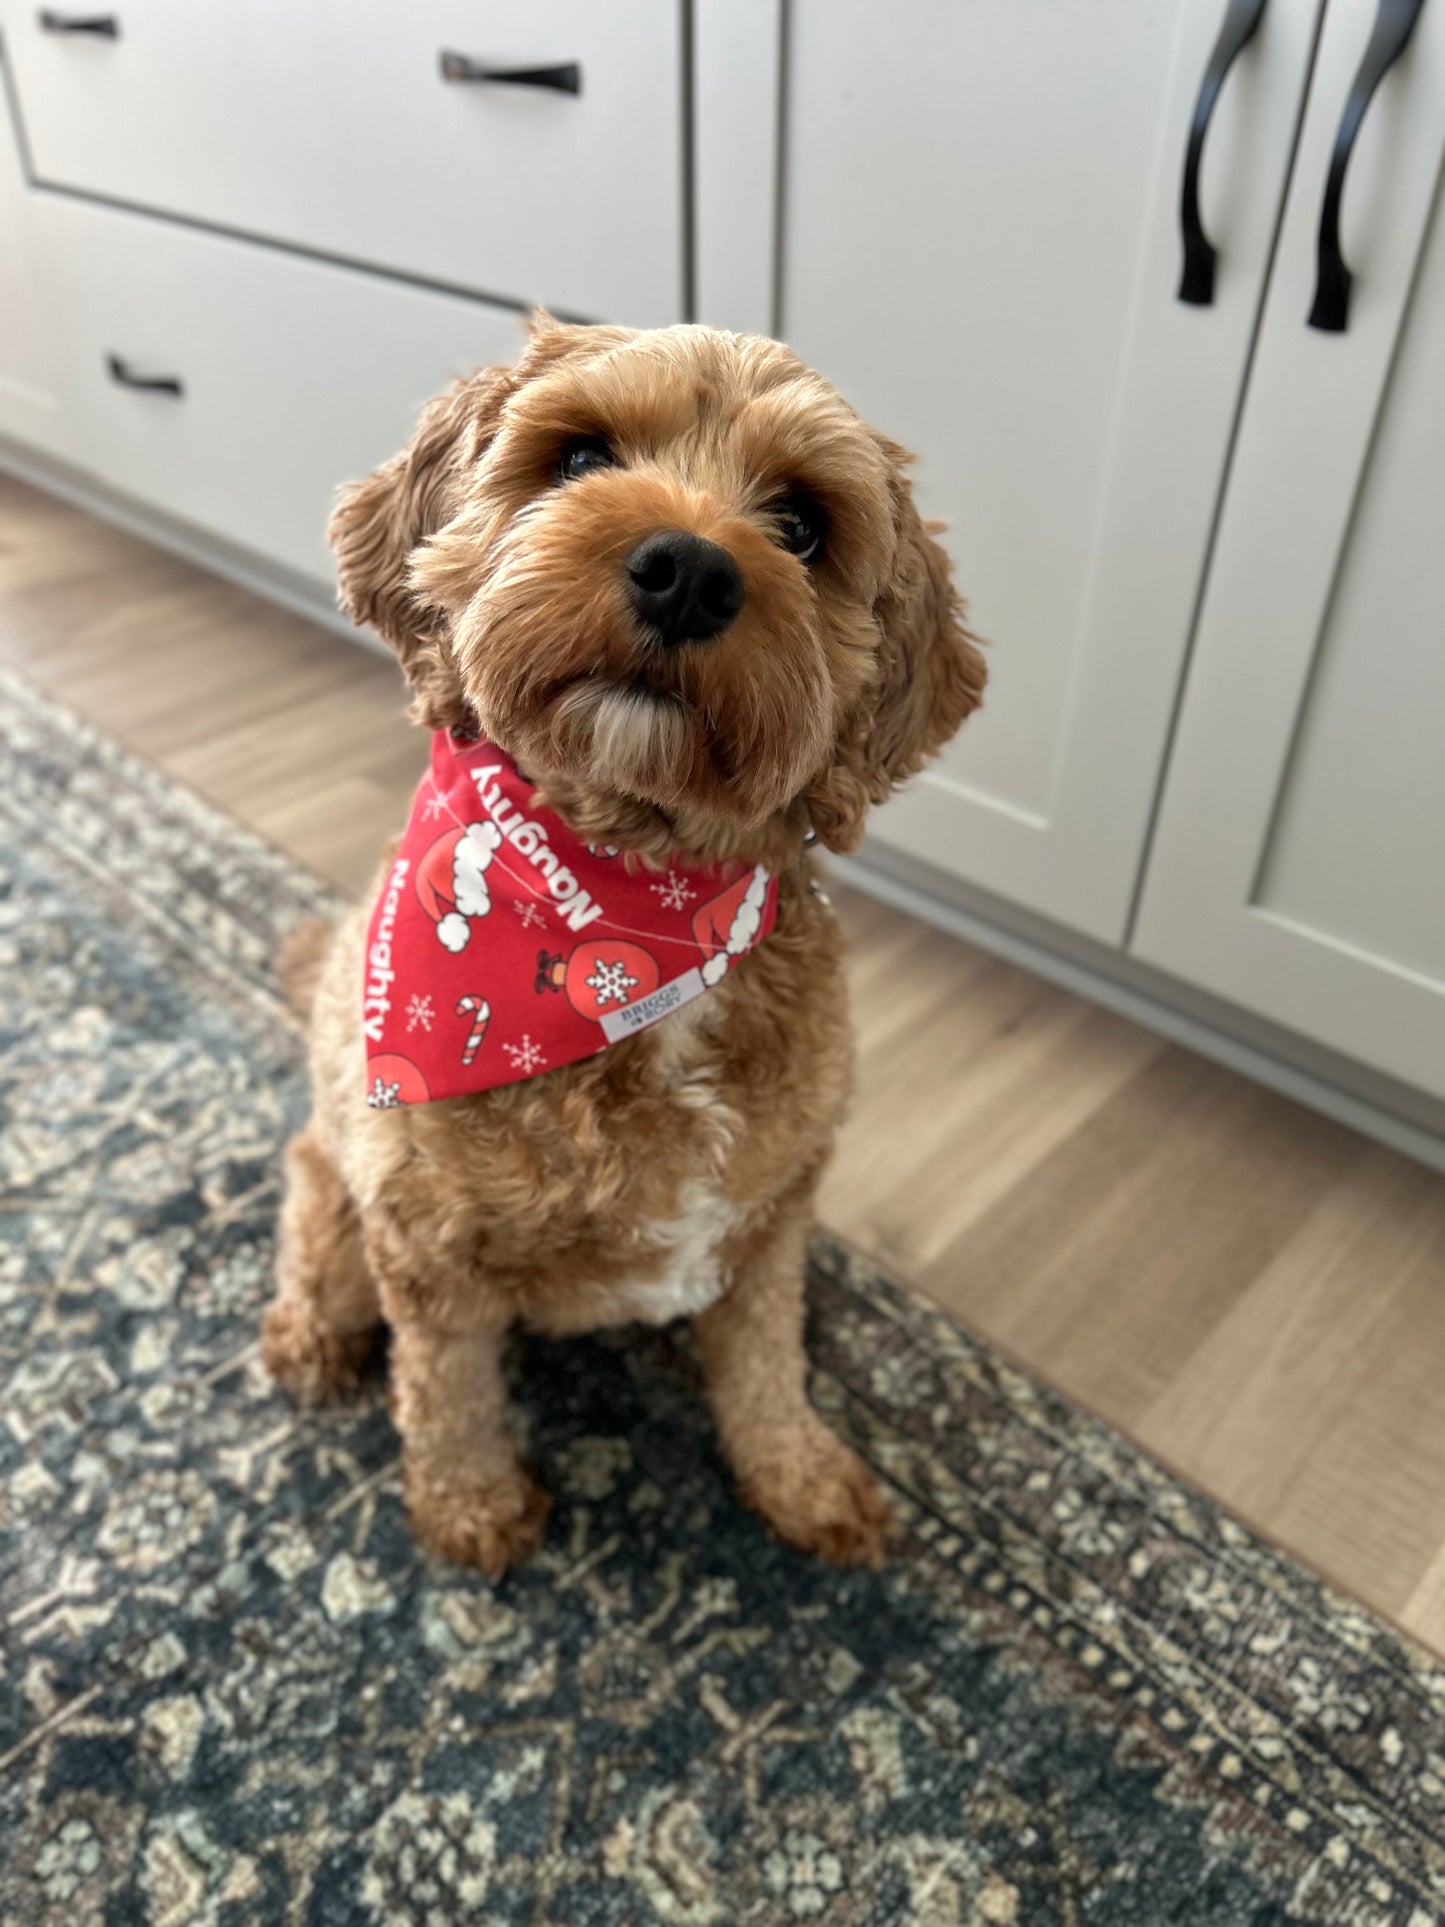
[105, 24]
[1394, 23]
[153, 384]
[566, 79]
[1241, 19]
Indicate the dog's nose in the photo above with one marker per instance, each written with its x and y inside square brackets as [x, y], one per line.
[687, 589]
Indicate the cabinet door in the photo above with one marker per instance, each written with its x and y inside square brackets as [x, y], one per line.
[981, 247]
[1299, 865]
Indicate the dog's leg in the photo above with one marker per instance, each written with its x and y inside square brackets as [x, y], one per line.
[468, 1494]
[811, 1488]
[322, 1328]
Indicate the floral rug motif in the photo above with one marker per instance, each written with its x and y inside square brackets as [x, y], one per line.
[233, 1692]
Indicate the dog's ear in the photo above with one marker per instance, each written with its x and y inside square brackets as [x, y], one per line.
[378, 522]
[930, 676]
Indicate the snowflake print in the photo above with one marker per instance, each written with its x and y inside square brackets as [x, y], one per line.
[383, 1096]
[433, 808]
[526, 1057]
[420, 1012]
[610, 981]
[530, 913]
[674, 892]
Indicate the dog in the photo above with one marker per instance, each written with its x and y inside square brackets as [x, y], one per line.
[675, 579]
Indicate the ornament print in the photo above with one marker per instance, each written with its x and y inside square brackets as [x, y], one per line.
[600, 975]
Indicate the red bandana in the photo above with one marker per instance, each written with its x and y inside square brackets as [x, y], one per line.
[502, 946]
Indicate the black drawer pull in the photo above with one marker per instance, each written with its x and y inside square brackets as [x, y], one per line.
[1394, 23]
[105, 24]
[153, 384]
[566, 79]
[1241, 19]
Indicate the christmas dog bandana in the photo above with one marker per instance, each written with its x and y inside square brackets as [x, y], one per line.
[501, 945]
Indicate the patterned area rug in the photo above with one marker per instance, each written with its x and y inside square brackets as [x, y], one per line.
[233, 1692]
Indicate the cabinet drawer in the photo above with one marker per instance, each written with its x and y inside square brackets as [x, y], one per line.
[332, 127]
[293, 376]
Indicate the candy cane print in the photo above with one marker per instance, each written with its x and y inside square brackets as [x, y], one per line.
[479, 1024]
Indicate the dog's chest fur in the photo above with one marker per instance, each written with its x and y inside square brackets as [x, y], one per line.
[693, 1279]
[692, 1237]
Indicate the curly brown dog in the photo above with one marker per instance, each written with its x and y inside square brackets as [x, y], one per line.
[490, 554]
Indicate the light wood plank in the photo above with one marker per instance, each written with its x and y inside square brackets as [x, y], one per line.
[1327, 1371]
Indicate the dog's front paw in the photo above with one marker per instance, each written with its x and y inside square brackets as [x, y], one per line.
[819, 1495]
[491, 1526]
[310, 1361]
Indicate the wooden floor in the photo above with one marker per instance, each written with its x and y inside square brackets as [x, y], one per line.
[1254, 1293]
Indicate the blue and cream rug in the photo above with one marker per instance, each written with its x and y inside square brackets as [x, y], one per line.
[232, 1692]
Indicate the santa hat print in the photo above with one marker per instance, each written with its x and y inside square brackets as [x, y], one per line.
[451, 881]
[726, 926]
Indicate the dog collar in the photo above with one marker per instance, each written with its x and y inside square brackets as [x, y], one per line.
[502, 946]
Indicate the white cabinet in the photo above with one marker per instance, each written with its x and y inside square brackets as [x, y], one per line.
[1299, 865]
[1207, 541]
[981, 246]
[335, 127]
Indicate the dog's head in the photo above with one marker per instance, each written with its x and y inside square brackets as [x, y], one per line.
[674, 576]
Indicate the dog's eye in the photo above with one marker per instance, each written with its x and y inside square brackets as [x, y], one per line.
[801, 526]
[581, 456]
